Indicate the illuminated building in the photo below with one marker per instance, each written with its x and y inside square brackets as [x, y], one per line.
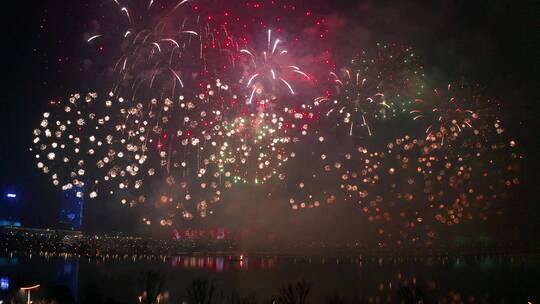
[9, 210]
[71, 208]
[4, 283]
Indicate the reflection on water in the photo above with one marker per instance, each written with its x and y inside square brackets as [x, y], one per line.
[224, 263]
[67, 273]
[371, 280]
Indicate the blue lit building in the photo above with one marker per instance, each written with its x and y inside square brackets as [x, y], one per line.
[9, 209]
[4, 284]
[71, 208]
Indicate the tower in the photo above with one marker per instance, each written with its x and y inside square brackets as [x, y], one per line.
[71, 208]
[9, 210]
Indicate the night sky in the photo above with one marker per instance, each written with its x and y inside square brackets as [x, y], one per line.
[45, 57]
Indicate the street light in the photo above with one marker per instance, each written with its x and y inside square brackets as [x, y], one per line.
[29, 289]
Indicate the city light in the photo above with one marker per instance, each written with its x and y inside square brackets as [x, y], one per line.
[11, 195]
[28, 289]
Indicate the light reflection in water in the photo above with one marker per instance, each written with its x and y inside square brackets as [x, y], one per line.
[224, 263]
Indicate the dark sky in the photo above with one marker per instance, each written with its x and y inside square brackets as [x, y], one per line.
[494, 43]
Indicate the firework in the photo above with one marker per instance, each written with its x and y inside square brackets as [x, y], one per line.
[374, 88]
[270, 70]
[197, 105]
[446, 113]
[162, 148]
[68, 139]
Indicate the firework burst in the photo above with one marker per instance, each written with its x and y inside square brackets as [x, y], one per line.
[270, 70]
[446, 113]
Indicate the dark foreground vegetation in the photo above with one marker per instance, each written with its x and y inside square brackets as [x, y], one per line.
[204, 291]
[151, 290]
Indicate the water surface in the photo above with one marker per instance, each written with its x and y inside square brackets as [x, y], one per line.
[475, 279]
